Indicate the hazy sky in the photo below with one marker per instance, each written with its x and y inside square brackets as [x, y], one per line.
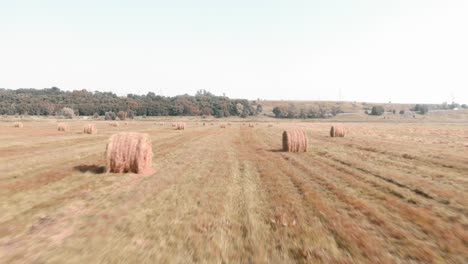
[373, 50]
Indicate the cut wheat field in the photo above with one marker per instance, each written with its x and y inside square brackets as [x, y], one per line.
[384, 193]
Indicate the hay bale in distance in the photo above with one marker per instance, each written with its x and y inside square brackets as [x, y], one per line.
[223, 125]
[18, 125]
[114, 124]
[337, 131]
[180, 126]
[90, 129]
[251, 125]
[62, 127]
[129, 152]
[295, 141]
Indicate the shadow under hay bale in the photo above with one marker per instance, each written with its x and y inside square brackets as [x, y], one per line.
[295, 141]
[90, 168]
[337, 131]
[129, 152]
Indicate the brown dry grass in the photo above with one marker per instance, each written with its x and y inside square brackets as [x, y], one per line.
[129, 152]
[384, 194]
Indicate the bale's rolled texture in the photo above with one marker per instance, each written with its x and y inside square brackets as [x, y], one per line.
[62, 127]
[129, 152]
[295, 141]
[18, 124]
[180, 126]
[337, 131]
[114, 124]
[90, 129]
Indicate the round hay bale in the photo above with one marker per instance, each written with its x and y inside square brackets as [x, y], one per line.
[114, 124]
[251, 125]
[18, 125]
[62, 127]
[295, 141]
[337, 131]
[180, 126]
[204, 124]
[90, 129]
[223, 125]
[129, 152]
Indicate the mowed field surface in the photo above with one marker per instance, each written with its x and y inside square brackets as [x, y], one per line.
[386, 193]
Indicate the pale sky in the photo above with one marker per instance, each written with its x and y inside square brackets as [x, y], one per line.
[373, 50]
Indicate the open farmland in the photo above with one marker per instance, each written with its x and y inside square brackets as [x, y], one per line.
[385, 193]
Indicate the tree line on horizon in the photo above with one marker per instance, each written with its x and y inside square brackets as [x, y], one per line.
[52, 101]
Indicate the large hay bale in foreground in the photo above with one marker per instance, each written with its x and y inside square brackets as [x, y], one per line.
[180, 126]
[129, 152]
[90, 129]
[18, 125]
[295, 141]
[337, 131]
[62, 127]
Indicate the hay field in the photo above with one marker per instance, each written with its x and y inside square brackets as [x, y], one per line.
[385, 193]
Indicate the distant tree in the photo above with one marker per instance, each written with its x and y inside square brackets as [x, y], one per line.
[239, 109]
[122, 115]
[454, 105]
[377, 110]
[259, 109]
[96, 115]
[110, 116]
[67, 113]
[422, 109]
[402, 112]
[131, 114]
[464, 106]
[394, 111]
[280, 111]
